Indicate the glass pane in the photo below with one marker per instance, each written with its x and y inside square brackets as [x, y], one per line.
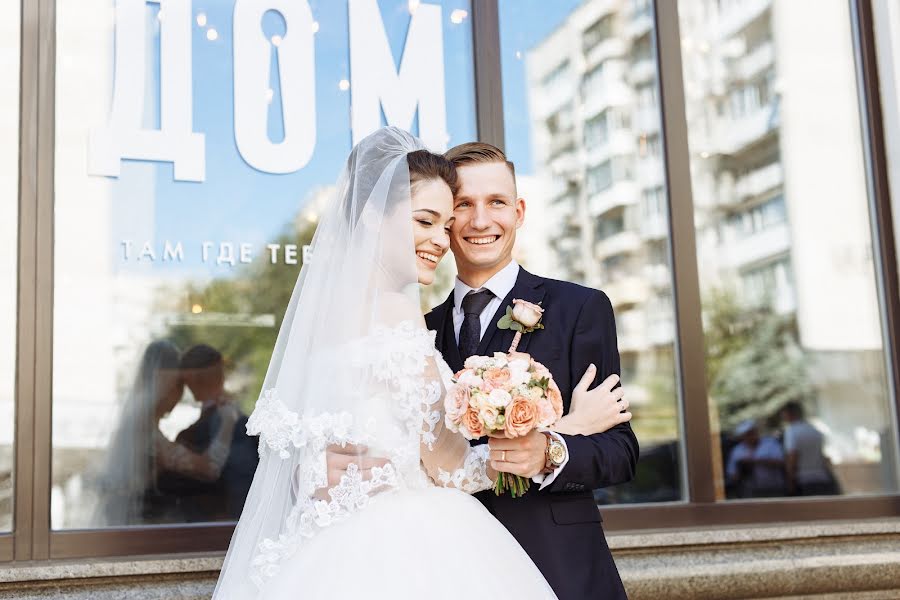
[886, 20]
[582, 123]
[194, 152]
[9, 239]
[795, 356]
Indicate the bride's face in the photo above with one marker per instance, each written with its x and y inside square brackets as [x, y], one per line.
[432, 213]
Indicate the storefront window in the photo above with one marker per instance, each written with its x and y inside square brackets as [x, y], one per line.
[795, 356]
[582, 125]
[196, 144]
[886, 21]
[9, 236]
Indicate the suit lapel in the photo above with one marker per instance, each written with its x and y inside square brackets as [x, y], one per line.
[528, 287]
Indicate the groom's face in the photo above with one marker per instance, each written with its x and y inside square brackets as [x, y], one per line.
[487, 214]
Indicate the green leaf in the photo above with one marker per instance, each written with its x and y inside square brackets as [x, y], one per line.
[516, 326]
[505, 322]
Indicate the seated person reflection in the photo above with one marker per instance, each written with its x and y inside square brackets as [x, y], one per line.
[203, 370]
[756, 464]
[129, 487]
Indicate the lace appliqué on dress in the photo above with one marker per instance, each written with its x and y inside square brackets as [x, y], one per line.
[394, 357]
[472, 477]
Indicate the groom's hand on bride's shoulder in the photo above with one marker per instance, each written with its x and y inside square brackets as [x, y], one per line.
[525, 456]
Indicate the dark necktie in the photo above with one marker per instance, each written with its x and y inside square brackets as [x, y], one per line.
[470, 332]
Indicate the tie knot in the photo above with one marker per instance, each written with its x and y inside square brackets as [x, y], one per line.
[474, 302]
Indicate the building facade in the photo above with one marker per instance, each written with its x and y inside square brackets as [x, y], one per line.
[725, 170]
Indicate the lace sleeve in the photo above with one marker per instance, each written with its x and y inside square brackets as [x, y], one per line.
[447, 457]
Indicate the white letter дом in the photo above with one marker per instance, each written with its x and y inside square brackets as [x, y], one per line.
[375, 85]
[122, 137]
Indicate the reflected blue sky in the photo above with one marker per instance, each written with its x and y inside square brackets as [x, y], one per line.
[238, 203]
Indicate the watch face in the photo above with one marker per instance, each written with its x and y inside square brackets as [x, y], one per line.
[557, 453]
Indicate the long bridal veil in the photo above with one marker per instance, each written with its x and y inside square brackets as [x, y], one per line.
[332, 380]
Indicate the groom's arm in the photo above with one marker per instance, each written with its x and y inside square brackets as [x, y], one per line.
[607, 458]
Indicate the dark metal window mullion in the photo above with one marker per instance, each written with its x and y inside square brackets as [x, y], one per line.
[876, 163]
[488, 76]
[700, 464]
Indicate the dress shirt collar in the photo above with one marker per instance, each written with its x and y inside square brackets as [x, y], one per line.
[501, 284]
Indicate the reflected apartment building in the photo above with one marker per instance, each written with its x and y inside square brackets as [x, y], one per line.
[596, 140]
[768, 192]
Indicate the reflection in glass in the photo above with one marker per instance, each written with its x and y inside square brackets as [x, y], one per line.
[193, 256]
[583, 127]
[795, 359]
[9, 238]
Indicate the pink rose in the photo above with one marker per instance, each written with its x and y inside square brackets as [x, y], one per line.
[457, 403]
[546, 413]
[526, 313]
[472, 422]
[556, 401]
[495, 378]
[521, 416]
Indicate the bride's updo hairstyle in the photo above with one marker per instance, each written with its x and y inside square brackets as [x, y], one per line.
[425, 166]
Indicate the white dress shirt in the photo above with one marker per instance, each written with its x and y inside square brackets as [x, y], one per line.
[501, 284]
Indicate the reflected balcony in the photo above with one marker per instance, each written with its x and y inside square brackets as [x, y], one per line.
[737, 134]
[623, 242]
[643, 70]
[621, 193]
[611, 47]
[650, 172]
[627, 290]
[619, 143]
[657, 276]
[739, 15]
[560, 142]
[599, 98]
[758, 182]
[757, 61]
[640, 22]
[654, 227]
[631, 331]
[756, 248]
[645, 120]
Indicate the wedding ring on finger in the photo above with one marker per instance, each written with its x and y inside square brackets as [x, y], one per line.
[503, 456]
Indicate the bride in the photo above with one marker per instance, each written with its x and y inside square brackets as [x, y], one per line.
[355, 372]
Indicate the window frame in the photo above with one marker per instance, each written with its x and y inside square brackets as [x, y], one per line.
[32, 538]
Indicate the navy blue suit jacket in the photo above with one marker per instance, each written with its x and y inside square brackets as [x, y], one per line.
[560, 527]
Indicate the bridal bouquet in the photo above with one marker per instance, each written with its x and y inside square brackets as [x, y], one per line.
[503, 395]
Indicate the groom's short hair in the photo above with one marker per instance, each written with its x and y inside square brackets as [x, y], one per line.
[472, 153]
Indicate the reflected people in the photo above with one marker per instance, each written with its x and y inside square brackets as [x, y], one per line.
[203, 371]
[808, 469]
[140, 454]
[755, 465]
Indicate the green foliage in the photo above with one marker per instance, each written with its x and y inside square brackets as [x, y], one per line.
[259, 289]
[754, 362]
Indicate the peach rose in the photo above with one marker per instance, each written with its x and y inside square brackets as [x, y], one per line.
[547, 414]
[521, 416]
[472, 423]
[457, 403]
[527, 313]
[555, 397]
[495, 378]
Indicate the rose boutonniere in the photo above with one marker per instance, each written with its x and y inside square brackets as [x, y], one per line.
[521, 317]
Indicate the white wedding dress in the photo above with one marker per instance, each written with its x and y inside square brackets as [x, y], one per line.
[412, 530]
[355, 371]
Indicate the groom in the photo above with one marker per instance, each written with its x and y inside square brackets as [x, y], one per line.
[556, 522]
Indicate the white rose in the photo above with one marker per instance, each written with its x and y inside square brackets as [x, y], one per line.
[518, 377]
[535, 393]
[476, 362]
[500, 359]
[526, 313]
[489, 416]
[499, 398]
[470, 379]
